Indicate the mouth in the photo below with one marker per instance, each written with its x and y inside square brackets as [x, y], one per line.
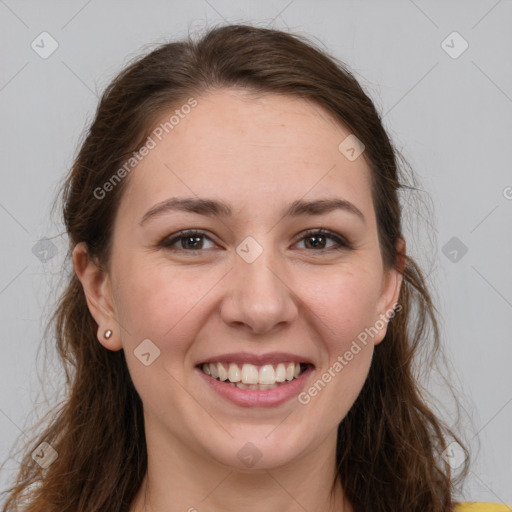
[250, 385]
[252, 377]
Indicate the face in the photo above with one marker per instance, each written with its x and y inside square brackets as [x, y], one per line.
[254, 282]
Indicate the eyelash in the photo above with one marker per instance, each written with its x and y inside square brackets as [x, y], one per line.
[343, 244]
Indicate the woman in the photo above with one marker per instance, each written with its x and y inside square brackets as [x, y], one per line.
[242, 315]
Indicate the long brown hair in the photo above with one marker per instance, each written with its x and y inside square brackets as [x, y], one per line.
[389, 444]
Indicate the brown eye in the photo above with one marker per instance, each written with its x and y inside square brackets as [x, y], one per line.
[317, 239]
[189, 241]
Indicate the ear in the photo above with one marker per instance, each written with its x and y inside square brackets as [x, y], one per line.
[98, 293]
[391, 284]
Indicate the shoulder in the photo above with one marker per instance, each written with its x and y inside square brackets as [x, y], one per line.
[467, 506]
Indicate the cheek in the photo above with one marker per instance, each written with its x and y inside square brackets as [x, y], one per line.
[345, 304]
[162, 303]
[341, 316]
[343, 307]
[167, 306]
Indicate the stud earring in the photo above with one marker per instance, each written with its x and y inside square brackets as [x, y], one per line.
[107, 334]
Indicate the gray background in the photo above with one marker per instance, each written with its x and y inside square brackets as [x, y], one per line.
[451, 118]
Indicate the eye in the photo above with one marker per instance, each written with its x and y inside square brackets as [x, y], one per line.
[191, 240]
[318, 239]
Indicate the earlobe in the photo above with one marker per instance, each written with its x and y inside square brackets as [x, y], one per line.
[97, 289]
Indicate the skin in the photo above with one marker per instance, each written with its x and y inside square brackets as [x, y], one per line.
[257, 153]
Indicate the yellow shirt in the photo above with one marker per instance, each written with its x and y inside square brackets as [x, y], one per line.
[481, 507]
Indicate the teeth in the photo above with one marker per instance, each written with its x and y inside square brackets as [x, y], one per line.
[251, 376]
[223, 374]
[233, 373]
[259, 387]
[280, 373]
[290, 371]
[267, 375]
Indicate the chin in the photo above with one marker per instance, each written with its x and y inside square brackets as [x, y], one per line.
[258, 448]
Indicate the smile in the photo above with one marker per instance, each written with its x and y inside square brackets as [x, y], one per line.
[250, 376]
[249, 385]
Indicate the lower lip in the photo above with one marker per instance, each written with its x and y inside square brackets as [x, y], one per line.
[256, 397]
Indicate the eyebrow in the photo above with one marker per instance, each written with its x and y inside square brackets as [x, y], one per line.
[214, 208]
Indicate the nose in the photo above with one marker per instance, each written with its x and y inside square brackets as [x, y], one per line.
[258, 297]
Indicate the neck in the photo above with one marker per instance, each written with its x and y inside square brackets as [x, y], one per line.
[259, 493]
[179, 479]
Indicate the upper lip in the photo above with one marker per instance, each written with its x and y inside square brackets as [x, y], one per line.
[258, 359]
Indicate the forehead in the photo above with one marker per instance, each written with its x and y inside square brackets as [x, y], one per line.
[248, 149]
